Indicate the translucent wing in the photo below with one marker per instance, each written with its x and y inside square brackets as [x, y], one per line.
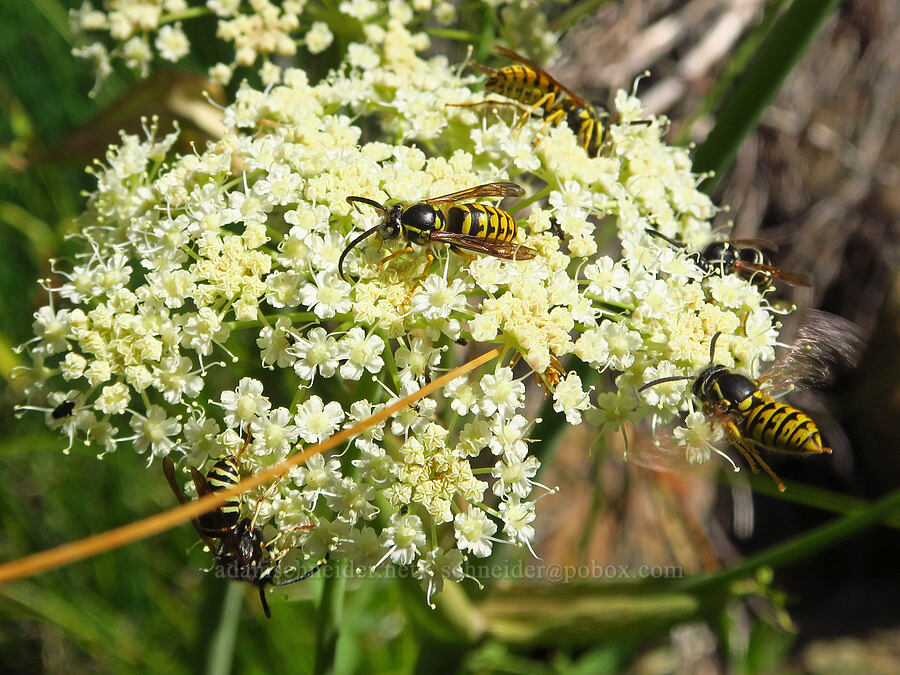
[497, 248]
[825, 347]
[502, 189]
[786, 276]
[764, 244]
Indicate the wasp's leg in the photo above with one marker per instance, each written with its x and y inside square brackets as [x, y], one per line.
[402, 251]
[549, 120]
[464, 254]
[427, 269]
[545, 101]
[750, 453]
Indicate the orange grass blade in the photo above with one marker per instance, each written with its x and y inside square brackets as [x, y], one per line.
[141, 529]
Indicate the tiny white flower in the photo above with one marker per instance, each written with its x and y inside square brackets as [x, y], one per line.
[327, 295]
[275, 343]
[360, 353]
[435, 299]
[514, 473]
[316, 352]
[244, 404]
[404, 539]
[517, 518]
[153, 431]
[501, 394]
[474, 531]
[435, 566]
[317, 420]
[570, 398]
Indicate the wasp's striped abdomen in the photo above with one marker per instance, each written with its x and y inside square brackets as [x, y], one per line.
[225, 473]
[481, 220]
[779, 426]
[522, 84]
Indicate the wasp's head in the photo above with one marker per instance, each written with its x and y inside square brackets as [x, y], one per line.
[392, 226]
[706, 380]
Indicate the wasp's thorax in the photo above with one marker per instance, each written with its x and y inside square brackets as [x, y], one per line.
[722, 256]
[716, 383]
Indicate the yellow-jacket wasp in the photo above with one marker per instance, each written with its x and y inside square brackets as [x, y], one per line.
[745, 258]
[750, 416]
[240, 551]
[527, 83]
[464, 227]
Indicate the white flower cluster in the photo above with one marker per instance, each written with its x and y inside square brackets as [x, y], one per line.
[261, 32]
[207, 304]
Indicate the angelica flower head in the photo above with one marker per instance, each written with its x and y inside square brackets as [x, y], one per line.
[204, 313]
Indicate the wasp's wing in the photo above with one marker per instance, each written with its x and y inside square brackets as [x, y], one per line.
[514, 56]
[826, 346]
[200, 482]
[169, 472]
[213, 521]
[786, 276]
[503, 189]
[497, 248]
[755, 243]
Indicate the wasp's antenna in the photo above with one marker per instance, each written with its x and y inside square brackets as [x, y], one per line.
[305, 575]
[674, 378]
[712, 348]
[265, 603]
[654, 233]
[381, 208]
[372, 230]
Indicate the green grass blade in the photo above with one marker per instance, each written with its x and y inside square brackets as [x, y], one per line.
[738, 62]
[780, 51]
[574, 14]
[329, 624]
[221, 648]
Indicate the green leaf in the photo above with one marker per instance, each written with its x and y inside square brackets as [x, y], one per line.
[779, 53]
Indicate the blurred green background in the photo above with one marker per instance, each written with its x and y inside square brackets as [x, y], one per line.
[810, 163]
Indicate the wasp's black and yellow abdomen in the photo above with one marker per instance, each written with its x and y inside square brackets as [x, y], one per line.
[225, 473]
[523, 84]
[585, 123]
[481, 220]
[780, 426]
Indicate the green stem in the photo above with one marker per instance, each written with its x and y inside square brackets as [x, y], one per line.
[808, 495]
[528, 201]
[329, 619]
[454, 34]
[801, 546]
[221, 648]
[742, 56]
[189, 13]
[391, 363]
[295, 317]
